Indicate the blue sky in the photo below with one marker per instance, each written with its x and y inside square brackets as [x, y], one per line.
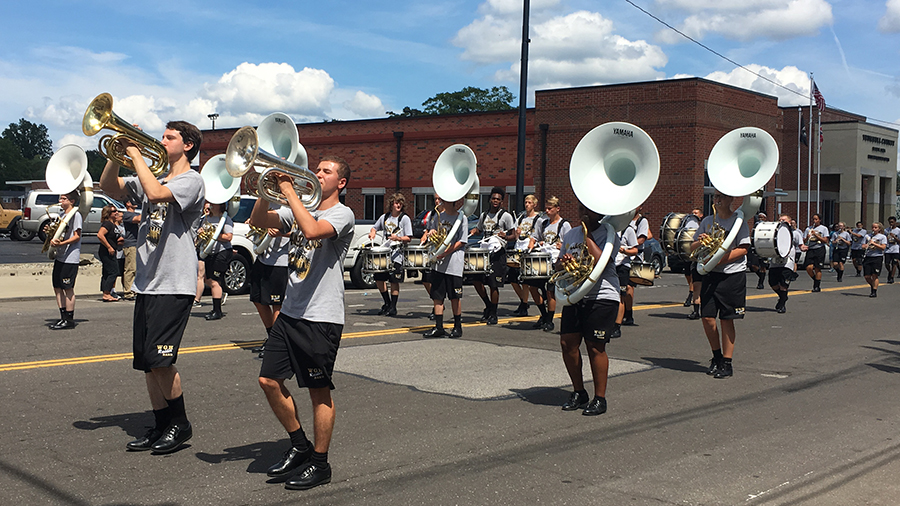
[351, 59]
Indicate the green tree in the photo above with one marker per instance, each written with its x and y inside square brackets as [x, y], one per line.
[468, 99]
[31, 138]
[14, 167]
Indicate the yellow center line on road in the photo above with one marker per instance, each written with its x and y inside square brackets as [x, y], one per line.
[21, 366]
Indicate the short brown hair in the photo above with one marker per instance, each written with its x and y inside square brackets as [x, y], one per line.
[343, 166]
[190, 134]
[397, 197]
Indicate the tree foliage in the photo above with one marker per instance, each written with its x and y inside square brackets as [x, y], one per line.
[25, 148]
[31, 138]
[468, 99]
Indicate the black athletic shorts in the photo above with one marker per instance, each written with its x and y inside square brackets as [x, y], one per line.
[159, 323]
[815, 257]
[446, 285]
[624, 273]
[780, 276]
[267, 283]
[512, 275]
[393, 276]
[594, 319]
[64, 275]
[426, 276]
[497, 277]
[840, 255]
[216, 265]
[872, 266]
[723, 295]
[857, 254]
[890, 259]
[307, 349]
[696, 277]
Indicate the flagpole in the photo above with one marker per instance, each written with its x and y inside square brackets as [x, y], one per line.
[799, 136]
[809, 161]
[819, 163]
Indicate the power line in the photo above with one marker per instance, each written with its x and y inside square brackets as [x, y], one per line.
[729, 60]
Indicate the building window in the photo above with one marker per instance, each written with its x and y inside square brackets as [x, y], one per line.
[373, 206]
[423, 202]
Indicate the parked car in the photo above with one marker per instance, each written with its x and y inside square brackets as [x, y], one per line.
[92, 221]
[9, 224]
[655, 254]
[34, 213]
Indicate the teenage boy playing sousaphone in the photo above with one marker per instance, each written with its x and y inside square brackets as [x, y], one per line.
[165, 279]
[65, 264]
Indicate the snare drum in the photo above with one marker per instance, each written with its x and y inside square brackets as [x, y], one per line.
[417, 258]
[668, 233]
[536, 265]
[683, 244]
[377, 259]
[477, 261]
[772, 239]
[514, 258]
[641, 273]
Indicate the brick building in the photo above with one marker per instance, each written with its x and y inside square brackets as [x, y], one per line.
[685, 118]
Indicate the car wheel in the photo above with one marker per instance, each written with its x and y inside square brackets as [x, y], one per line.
[40, 231]
[19, 233]
[237, 277]
[656, 262]
[359, 278]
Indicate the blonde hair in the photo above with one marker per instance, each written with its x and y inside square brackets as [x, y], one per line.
[553, 201]
[532, 199]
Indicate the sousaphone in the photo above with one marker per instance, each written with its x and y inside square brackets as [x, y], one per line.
[67, 171]
[454, 177]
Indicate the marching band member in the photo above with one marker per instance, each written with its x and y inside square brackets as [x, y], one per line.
[495, 224]
[857, 253]
[522, 237]
[592, 319]
[397, 229]
[305, 337]
[447, 274]
[840, 248]
[757, 264]
[165, 276]
[874, 246]
[797, 237]
[724, 289]
[892, 253]
[695, 279]
[688, 276]
[628, 247]
[548, 236]
[65, 265]
[781, 273]
[641, 226]
[431, 221]
[268, 281]
[816, 237]
[216, 263]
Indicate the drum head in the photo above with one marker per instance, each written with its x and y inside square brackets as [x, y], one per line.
[783, 240]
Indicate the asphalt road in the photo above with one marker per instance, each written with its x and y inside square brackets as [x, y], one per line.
[808, 418]
[19, 252]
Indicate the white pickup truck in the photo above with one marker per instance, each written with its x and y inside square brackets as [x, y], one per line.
[237, 277]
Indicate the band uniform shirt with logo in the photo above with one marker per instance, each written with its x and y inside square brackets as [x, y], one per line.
[319, 297]
[453, 263]
[742, 238]
[491, 223]
[607, 288]
[551, 234]
[276, 254]
[840, 244]
[228, 228]
[893, 245]
[169, 267]
[858, 241]
[822, 230]
[70, 253]
[524, 229]
[394, 225]
[877, 239]
[627, 240]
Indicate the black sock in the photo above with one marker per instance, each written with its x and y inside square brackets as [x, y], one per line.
[717, 354]
[726, 360]
[542, 309]
[320, 460]
[782, 295]
[840, 274]
[70, 316]
[629, 313]
[386, 296]
[816, 283]
[299, 439]
[457, 321]
[217, 305]
[62, 313]
[268, 332]
[394, 300]
[163, 417]
[761, 275]
[696, 308]
[439, 321]
[176, 408]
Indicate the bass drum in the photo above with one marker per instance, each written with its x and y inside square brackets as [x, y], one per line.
[668, 232]
[642, 273]
[683, 242]
[772, 239]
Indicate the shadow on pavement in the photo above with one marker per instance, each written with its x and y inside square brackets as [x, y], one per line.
[676, 364]
[262, 455]
[134, 424]
[543, 396]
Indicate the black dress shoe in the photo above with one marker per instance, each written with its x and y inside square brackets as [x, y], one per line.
[617, 332]
[578, 400]
[548, 326]
[724, 371]
[63, 324]
[539, 324]
[485, 315]
[291, 460]
[628, 321]
[214, 315]
[456, 333]
[522, 310]
[689, 299]
[144, 443]
[816, 289]
[435, 332]
[392, 311]
[694, 316]
[384, 309]
[760, 286]
[431, 316]
[597, 406]
[713, 366]
[311, 476]
[491, 319]
[172, 438]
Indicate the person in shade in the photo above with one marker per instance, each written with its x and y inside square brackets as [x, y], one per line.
[840, 248]
[397, 229]
[106, 252]
[816, 237]
[892, 253]
[781, 273]
[689, 274]
[696, 279]
[874, 245]
[592, 319]
[628, 247]
[215, 265]
[496, 224]
[447, 275]
[165, 277]
[520, 237]
[131, 220]
[857, 237]
[65, 264]
[724, 290]
[306, 335]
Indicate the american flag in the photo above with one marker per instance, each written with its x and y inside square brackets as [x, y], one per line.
[817, 96]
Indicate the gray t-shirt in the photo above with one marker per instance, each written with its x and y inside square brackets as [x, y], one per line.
[551, 234]
[607, 288]
[394, 225]
[838, 244]
[453, 263]
[742, 238]
[319, 297]
[893, 244]
[276, 254]
[70, 253]
[131, 229]
[228, 228]
[822, 230]
[628, 240]
[858, 241]
[524, 228]
[168, 266]
[877, 239]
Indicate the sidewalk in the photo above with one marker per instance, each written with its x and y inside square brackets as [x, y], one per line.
[32, 281]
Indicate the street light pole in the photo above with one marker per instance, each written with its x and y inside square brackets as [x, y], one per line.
[523, 89]
[213, 117]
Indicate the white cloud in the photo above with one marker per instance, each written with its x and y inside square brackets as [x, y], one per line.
[890, 22]
[790, 77]
[577, 49]
[742, 20]
[364, 105]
